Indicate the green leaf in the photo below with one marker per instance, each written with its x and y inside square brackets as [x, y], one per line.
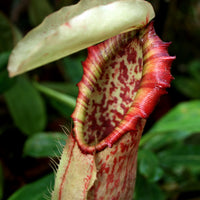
[1, 181]
[181, 155]
[65, 99]
[4, 59]
[63, 103]
[149, 165]
[159, 140]
[145, 190]
[66, 88]
[26, 107]
[181, 122]
[38, 10]
[6, 37]
[62, 109]
[9, 35]
[194, 69]
[188, 86]
[73, 68]
[45, 145]
[77, 27]
[184, 117]
[36, 190]
[5, 81]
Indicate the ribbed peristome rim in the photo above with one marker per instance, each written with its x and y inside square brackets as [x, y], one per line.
[146, 58]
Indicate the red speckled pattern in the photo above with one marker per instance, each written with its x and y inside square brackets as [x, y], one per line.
[123, 80]
[114, 91]
[116, 168]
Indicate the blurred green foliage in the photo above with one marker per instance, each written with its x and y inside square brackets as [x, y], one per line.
[35, 191]
[35, 108]
[44, 145]
[24, 97]
[189, 83]
[168, 156]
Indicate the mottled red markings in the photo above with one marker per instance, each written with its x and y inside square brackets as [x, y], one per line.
[124, 147]
[104, 169]
[123, 73]
[146, 21]
[131, 56]
[105, 118]
[112, 89]
[118, 177]
[134, 133]
[113, 152]
[138, 68]
[113, 93]
[116, 166]
[46, 54]
[87, 180]
[68, 24]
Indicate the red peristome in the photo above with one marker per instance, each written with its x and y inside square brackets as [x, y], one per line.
[110, 87]
[156, 78]
[123, 80]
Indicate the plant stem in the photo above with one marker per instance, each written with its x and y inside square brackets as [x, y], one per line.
[63, 98]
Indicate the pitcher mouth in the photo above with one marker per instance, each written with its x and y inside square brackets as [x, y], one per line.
[123, 79]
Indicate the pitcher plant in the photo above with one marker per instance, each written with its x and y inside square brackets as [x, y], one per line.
[125, 73]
